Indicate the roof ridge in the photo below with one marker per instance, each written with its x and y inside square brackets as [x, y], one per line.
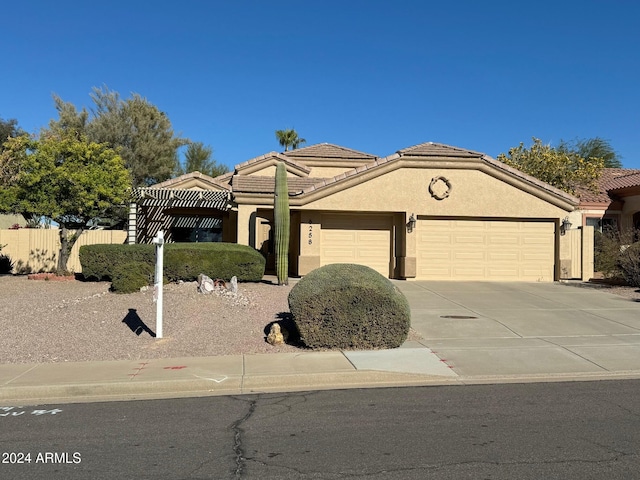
[269, 155]
[185, 176]
[316, 146]
[440, 145]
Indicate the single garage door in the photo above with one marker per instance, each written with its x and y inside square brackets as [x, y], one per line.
[361, 239]
[485, 250]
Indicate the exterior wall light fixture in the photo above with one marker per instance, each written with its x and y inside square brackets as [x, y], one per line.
[566, 225]
[412, 222]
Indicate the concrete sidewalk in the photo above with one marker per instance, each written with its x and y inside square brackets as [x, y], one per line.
[473, 333]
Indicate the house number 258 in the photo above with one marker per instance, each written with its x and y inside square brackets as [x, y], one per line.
[310, 233]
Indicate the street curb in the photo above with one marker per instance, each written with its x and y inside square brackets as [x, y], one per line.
[236, 385]
[258, 384]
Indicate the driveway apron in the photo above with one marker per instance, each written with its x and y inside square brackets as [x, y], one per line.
[514, 328]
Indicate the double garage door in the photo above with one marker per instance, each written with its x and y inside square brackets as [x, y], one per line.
[485, 250]
[361, 239]
[447, 249]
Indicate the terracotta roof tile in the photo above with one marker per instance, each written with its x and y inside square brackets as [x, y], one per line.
[277, 156]
[205, 178]
[328, 150]
[439, 150]
[258, 184]
[624, 181]
[607, 181]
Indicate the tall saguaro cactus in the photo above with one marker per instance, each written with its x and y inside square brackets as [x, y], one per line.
[282, 221]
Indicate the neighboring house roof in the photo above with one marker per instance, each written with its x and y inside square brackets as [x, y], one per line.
[610, 179]
[624, 181]
[328, 151]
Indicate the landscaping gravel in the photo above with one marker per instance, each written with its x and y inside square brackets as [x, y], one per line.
[69, 321]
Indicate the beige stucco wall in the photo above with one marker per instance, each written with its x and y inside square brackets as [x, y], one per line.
[474, 193]
[631, 206]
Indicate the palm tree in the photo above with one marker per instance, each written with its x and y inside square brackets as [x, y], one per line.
[289, 138]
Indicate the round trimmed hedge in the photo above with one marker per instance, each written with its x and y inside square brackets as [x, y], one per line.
[349, 306]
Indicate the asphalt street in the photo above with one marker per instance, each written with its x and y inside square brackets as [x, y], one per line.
[569, 430]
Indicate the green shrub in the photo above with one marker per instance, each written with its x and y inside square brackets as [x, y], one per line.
[99, 261]
[6, 264]
[182, 261]
[630, 264]
[185, 261]
[351, 307]
[130, 277]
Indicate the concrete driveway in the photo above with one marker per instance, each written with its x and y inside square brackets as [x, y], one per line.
[498, 329]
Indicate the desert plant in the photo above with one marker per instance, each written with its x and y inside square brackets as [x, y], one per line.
[608, 247]
[282, 221]
[6, 264]
[130, 277]
[349, 306]
[630, 264]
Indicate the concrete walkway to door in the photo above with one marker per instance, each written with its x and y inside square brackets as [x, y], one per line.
[525, 329]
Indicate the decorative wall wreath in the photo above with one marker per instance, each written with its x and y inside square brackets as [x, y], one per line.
[440, 187]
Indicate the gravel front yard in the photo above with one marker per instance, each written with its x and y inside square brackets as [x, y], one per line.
[68, 321]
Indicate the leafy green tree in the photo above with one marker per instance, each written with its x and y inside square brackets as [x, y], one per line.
[9, 128]
[565, 170]
[198, 158]
[68, 179]
[593, 148]
[289, 138]
[137, 129]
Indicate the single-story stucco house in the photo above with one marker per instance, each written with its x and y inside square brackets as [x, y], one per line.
[430, 211]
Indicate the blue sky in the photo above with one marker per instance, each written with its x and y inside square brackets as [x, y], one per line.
[372, 75]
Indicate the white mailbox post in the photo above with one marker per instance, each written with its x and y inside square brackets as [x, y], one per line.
[158, 241]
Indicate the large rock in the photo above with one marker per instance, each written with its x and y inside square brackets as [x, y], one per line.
[205, 284]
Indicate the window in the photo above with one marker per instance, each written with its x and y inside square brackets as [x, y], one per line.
[600, 224]
[196, 229]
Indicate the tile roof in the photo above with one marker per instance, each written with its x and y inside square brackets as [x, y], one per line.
[274, 155]
[328, 150]
[439, 150]
[632, 179]
[610, 179]
[258, 184]
[187, 176]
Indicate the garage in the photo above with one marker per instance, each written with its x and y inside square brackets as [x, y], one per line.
[361, 239]
[485, 249]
